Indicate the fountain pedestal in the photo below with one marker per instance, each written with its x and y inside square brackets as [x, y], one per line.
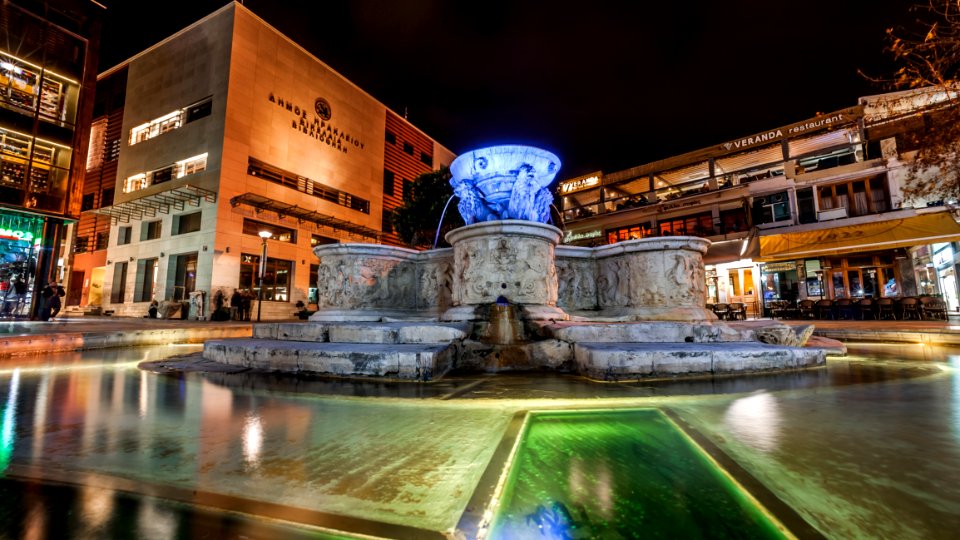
[509, 260]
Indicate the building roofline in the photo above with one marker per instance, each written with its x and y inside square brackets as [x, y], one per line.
[234, 4]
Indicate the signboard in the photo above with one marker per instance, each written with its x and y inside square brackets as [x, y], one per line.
[818, 123]
[580, 184]
[573, 237]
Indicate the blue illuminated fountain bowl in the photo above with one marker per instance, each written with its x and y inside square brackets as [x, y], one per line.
[494, 172]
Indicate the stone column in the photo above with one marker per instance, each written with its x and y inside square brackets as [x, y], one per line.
[513, 259]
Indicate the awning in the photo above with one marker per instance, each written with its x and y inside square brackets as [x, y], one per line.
[727, 251]
[162, 202]
[895, 233]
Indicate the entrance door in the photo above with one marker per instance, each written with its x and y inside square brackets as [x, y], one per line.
[742, 289]
[185, 281]
[74, 288]
[949, 282]
[95, 295]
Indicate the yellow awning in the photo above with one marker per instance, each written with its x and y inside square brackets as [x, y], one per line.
[905, 232]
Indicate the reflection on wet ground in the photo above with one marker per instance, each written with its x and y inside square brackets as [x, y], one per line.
[867, 446]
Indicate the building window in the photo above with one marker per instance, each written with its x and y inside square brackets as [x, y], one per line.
[185, 278]
[186, 223]
[771, 208]
[277, 277]
[150, 230]
[170, 121]
[106, 198]
[387, 221]
[198, 110]
[290, 180]
[179, 169]
[280, 234]
[426, 159]
[119, 290]
[146, 280]
[102, 240]
[124, 235]
[390, 137]
[408, 148]
[135, 183]
[407, 189]
[87, 202]
[388, 182]
[317, 240]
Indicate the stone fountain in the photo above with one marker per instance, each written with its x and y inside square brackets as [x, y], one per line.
[506, 296]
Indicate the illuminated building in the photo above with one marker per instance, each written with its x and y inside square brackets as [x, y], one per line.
[813, 209]
[47, 72]
[221, 131]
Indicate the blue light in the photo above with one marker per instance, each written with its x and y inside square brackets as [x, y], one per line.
[504, 182]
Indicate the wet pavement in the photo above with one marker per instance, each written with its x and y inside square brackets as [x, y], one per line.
[92, 446]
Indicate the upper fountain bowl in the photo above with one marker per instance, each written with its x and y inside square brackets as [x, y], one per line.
[504, 182]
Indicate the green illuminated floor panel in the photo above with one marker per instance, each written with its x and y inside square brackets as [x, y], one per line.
[620, 474]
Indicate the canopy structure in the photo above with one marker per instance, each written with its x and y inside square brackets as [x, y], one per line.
[261, 203]
[895, 233]
[150, 205]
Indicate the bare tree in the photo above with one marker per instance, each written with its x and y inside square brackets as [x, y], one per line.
[928, 57]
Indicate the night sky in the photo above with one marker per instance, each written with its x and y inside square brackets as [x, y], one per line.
[604, 85]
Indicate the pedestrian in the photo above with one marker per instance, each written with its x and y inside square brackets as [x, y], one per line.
[55, 300]
[47, 303]
[247, 302]
[236, 305]
[152, 311]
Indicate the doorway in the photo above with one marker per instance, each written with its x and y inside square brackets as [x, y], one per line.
[185, 279]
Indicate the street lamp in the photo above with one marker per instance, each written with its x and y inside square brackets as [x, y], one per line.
[264, 235]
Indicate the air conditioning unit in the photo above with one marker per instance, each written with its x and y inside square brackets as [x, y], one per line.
[833, 213]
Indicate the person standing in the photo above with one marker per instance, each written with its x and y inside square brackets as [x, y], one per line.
[236, 304]
[55, 300]
[47, 294]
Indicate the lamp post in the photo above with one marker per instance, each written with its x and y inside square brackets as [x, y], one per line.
[264, 235]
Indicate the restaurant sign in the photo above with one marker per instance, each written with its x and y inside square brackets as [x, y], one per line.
[818, 123]
[580, 184]
[573, 237]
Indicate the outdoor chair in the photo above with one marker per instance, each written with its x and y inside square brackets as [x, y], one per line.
[722, 311]
[933, 308]
[808, 309]
[825, 309]
[910, 308]
[845, 308]
[738, 311]
[866, 307]
[885, 309]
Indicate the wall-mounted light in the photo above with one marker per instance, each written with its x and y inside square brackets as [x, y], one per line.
[131, 259]
[227, 250]
[204, 248]
[109, 261]
[162, 254]
[303, 261]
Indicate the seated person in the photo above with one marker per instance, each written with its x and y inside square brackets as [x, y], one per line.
[152, 312]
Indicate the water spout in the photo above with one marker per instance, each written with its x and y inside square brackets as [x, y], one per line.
[442, 214]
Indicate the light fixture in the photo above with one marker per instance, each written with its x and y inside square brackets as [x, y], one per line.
[131, 259]
[227, 250]
[162, 254]
[263, 266]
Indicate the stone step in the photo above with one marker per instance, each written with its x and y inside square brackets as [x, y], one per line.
[422, 362]
[643, 332]
[363, 332]
[623, 361]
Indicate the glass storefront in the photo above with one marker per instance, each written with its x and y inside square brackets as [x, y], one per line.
[20, 236]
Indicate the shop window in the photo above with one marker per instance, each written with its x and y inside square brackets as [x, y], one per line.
[312, 294]
[280, 234]
[150, 230]
[185, 275]
[119, 290]
[124, 235]
[186, 223]
[277, 277]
